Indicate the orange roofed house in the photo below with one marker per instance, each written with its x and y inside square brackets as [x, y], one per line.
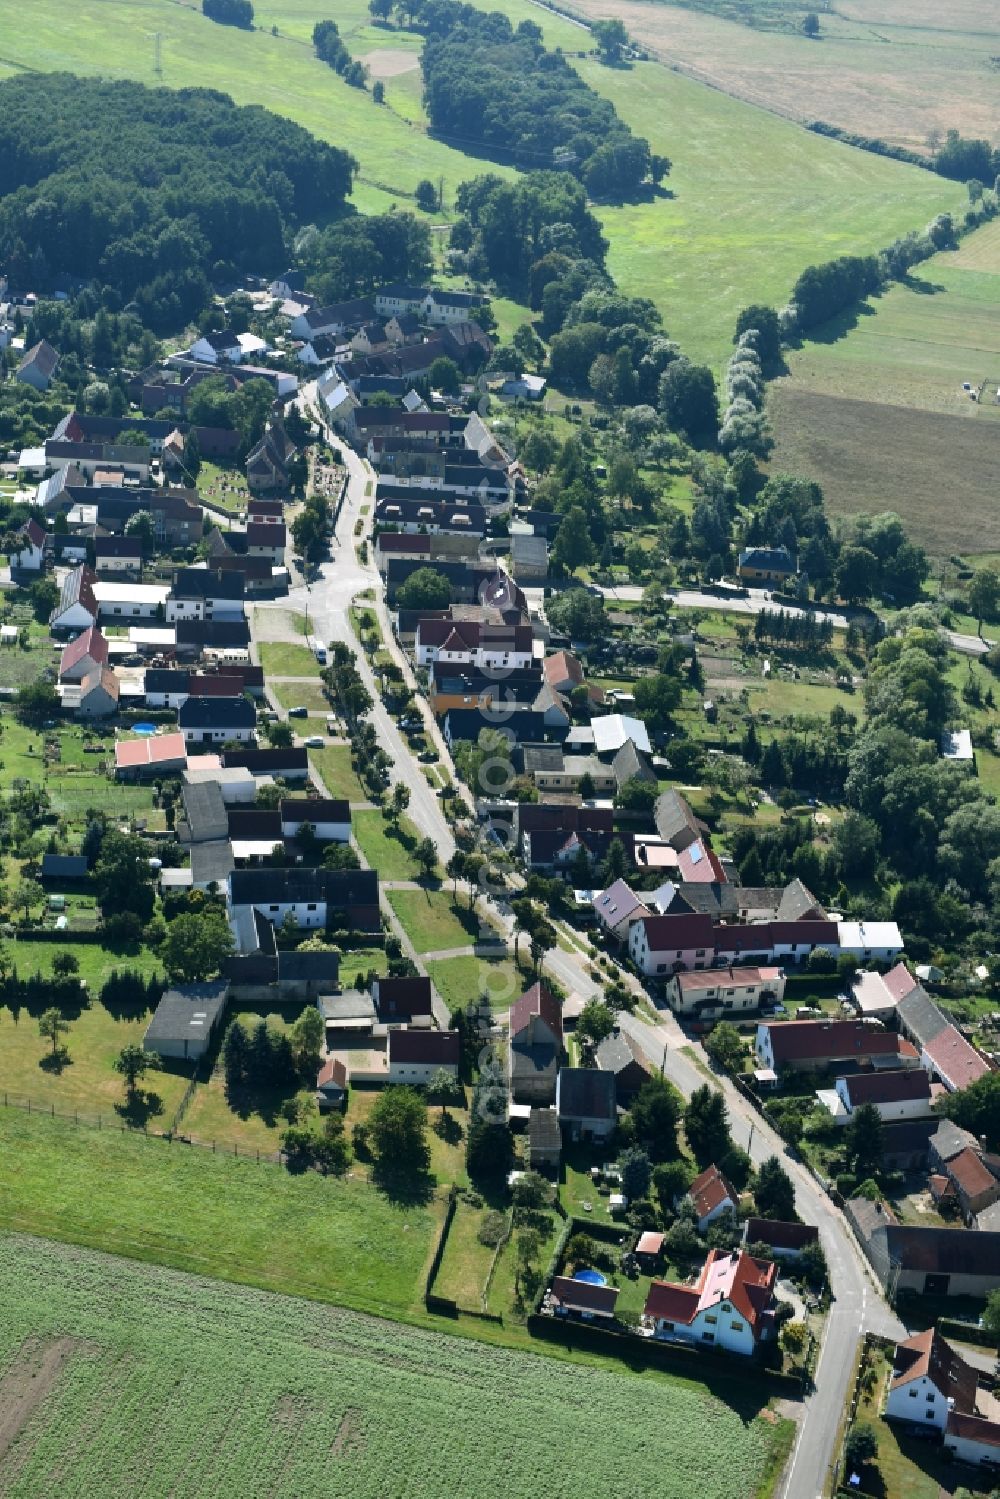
[730, 1306]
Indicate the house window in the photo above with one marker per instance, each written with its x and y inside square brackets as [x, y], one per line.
[913, 1394]
[708, 1337]
[736, 1326]
[272, 908]
[311, 908]
[661, 967]
[711, 1319]
[667, 1326]
[700, 953]
[928, 1415]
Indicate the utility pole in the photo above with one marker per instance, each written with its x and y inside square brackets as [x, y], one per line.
[156, 38]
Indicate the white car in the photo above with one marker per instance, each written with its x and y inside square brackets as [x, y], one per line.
[315, 741]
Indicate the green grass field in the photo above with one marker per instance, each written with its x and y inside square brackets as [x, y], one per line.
[753, 198]
[333, 765]
[130, 1378]
[335, 1240]
[430, 920]
[387, 849]
[461, 980]
[88, 1084]
[875, 411]
[282, 658]
[300, 694]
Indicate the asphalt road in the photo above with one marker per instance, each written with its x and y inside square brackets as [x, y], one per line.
[857, 1302]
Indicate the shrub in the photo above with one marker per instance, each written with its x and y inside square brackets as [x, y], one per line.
[492, 1229]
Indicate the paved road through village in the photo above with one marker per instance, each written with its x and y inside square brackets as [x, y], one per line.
[857, 1302]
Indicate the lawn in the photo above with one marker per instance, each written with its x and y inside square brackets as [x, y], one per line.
[282, 658]
[466, 1261]
[430, 920]
[364, 960]
[166, 1383]
[879, 68]
[96, 961]
[88, 1084]
[333, 765]
[388, 849]
[875, 409]
[300, 695]
[336, 1240]
[461, 980]
[447, 1149]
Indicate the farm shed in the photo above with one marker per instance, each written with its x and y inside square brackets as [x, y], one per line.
[185, 1019]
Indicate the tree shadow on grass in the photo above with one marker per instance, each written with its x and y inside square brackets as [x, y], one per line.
[56, 1061]
[262, 1101]
[140, 1108]
[402, 1187]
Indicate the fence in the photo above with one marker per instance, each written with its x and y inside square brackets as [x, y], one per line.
[123, 1126]
[445, 1306]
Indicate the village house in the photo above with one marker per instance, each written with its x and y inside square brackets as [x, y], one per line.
[616, 1054]
[675, 821]
[329, 818]
[711, 1195]
[544, 1141]
[710, 993]
[118, 556]
[469, 643]
[933, 1386]
[804, 1045]
[222, 347]
[730, 1306]
[331, 1084]
[416, 1055]
[77, 608]
[876, 995]
[403, 1000]
[38, 366]
[617, 907]
[313, 897]
[784, 1241]
[30, 554]
[222, 720]
[927, 1261]
[201, 593]
[585, 1102]
[769, 565]
[535, 1046]
[84, 656]
[96, 695]
[903, 1094]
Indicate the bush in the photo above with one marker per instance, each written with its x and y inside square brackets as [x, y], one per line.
[492, 1229]
[861, 1446]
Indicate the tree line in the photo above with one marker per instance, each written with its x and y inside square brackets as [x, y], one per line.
[229, 12]
[489, 84]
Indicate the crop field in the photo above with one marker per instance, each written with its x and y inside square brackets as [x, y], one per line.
[897, 69]
[940, 473]
[876, 413]
[117, 1378]
[751, 201]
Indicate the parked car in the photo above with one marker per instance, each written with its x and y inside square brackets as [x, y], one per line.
[315, 741]
[299, 712]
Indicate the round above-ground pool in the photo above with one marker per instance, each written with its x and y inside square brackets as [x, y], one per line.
[591, 1277]
[144, 728]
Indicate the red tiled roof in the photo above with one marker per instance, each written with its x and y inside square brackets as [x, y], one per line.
[210, 685]
[969, 1173]
[973, 1429]
[800, 1040]
[958, 1062]
[899, 981]
[91, 643]
[671, 1302]
[34, 532]
[538, 1000]
[699, 865]
[928, 1354]
[332, 1071]
[710, 1189]
[562, 665]
[679, 933]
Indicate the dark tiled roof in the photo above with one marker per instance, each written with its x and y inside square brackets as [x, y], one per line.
[585, 1093]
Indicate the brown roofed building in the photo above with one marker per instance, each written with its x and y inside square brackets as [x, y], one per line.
[712, 1195]
[784, 1240]
[580, 1298]
[415, 1055]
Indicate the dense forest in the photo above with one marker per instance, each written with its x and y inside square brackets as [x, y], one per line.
[150, 191]
[490, 85]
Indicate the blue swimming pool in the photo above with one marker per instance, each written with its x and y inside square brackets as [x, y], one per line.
[144, 728]
[591, 1277]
